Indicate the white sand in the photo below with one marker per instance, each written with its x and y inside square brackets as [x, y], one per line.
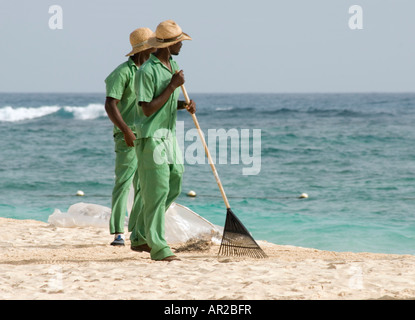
[39, 261]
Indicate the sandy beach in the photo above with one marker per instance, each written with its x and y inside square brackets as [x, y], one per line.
[41, 261]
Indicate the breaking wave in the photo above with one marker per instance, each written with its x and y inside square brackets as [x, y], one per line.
[89, 112]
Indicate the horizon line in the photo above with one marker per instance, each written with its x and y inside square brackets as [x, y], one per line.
[230, 92]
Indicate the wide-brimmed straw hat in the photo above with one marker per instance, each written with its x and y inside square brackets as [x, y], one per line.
[167, 33]
[139, 40]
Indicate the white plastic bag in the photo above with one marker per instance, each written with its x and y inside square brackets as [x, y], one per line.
[181, 223]
[82, 215]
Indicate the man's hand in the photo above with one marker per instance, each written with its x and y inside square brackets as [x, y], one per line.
[191, 107]
[178, 79]
[129, 138]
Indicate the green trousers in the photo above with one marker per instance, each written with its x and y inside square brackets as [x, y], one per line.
[160, 184]
[125, 175]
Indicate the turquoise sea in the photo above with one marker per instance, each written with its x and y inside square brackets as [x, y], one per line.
[353, 154]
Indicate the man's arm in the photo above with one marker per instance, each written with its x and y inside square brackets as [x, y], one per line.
[153, 106]
[116, 118]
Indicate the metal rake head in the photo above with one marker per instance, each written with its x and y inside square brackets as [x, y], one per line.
[237, 241]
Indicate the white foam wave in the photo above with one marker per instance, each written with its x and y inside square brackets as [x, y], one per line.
[89, 112]
[10, 114]
[92, 111]
[224, 108]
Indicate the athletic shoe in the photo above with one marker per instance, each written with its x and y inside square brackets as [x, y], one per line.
[118, 240]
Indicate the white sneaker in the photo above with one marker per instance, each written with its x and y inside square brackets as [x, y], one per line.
[118, 240]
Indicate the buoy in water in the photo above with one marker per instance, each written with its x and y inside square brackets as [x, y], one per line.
[303, 196]
[191, 193]
[80, 193]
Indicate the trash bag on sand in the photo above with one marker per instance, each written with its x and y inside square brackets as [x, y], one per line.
[81, 215]
[181, 223]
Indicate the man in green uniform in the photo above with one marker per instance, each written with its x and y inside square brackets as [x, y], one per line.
[160, 164]
[120, 106]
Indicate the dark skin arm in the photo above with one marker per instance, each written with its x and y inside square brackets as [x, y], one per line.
[153, 106]
[116, 118]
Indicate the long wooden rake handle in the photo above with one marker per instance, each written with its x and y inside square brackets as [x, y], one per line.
[202, 138]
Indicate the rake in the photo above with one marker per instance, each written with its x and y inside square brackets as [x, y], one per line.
[236, 239]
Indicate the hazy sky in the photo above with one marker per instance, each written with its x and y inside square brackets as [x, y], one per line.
[238, 46]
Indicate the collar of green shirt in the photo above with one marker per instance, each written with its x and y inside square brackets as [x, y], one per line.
[157, 61]
[132, 64]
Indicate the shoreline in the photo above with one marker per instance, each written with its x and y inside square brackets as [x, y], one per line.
[41, 261]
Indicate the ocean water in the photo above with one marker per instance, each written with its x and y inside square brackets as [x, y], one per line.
[353, 154]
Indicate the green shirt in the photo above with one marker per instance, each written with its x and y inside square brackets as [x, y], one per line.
[151, 79]
[120, 86]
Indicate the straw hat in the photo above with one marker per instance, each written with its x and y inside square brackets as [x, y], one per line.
[139, 40]
[167, 33]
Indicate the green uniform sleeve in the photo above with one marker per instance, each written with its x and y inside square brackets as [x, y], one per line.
[144, 85]
[115, 84]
